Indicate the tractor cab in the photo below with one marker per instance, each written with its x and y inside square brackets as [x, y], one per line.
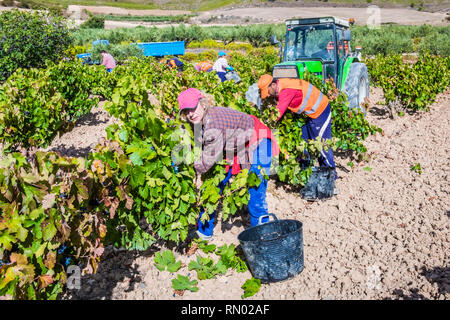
[318, 45]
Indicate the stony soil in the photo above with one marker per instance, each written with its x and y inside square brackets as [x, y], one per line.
[384, 236]
[87, 132]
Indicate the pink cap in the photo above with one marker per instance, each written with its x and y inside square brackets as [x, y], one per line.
[188, 99]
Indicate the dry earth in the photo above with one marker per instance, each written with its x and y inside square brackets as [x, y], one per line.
[385, 236]
[363, 16]
[87, 132]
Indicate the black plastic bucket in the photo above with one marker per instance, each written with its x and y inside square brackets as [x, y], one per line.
[320, 184]
[274, 250]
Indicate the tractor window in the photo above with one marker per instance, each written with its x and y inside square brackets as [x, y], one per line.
[310, 42]
[344, 48]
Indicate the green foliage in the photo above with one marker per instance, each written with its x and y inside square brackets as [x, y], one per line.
[36, 104]
[213, 44]
[251, 287]
[395, 39]
[120, 52]
[44, 199]
[229, 258]
[183, 283]
[174, 19]
[203, 245]
[94, 22]
[435, 44]
[414, 85]
[166, 260]
[206, 268]
[417, 168]
[29, 39]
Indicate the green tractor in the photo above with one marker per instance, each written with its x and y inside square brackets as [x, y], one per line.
[322, 46]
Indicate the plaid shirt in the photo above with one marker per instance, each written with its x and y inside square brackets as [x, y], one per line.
[228, 130]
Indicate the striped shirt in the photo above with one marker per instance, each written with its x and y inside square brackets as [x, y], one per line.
[225, 133]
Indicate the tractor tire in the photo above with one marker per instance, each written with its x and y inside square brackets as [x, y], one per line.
[356, 86]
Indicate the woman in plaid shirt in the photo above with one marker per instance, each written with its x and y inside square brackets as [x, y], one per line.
[240, 137]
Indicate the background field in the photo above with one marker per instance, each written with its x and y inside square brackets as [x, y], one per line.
[203, 5]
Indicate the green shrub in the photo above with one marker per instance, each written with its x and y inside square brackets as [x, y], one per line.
[435, 43]
[120, 52]
[94, 22]
[46, 224]
[39, 103]
[28, 39]
[416, 85]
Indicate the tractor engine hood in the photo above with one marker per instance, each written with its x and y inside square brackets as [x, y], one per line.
[296, 69]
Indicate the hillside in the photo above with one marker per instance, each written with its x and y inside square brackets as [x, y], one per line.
[205, 5]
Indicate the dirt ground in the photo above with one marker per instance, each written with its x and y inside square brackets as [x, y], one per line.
[384, 236]
[226, 16]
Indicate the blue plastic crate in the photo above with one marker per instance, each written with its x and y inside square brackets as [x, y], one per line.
[100, 42]
[84, 55]
[159, 49]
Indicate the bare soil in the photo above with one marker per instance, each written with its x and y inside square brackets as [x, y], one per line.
[86, 134]
[250, 15]
[384, 236]
[362, 16]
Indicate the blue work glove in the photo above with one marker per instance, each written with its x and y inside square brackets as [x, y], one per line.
[229, 68]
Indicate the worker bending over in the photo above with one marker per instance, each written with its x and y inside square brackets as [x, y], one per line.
[241, 136]
[205, 66]
[221, 66]
[300, 96]
[175, 63]
[108, 61]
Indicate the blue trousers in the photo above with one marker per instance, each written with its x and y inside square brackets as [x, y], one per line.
[257, 205]
[222, 76]
[320, 127]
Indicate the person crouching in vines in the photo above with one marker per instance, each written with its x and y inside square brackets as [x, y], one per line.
[251, 143]
[300, 96]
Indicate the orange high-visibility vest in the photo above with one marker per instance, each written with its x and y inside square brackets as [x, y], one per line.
[330, 46]
[314, 101]
[205, 65]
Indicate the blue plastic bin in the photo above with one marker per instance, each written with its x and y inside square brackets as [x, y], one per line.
[100, 42]
[84, 55]
[159, 49]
